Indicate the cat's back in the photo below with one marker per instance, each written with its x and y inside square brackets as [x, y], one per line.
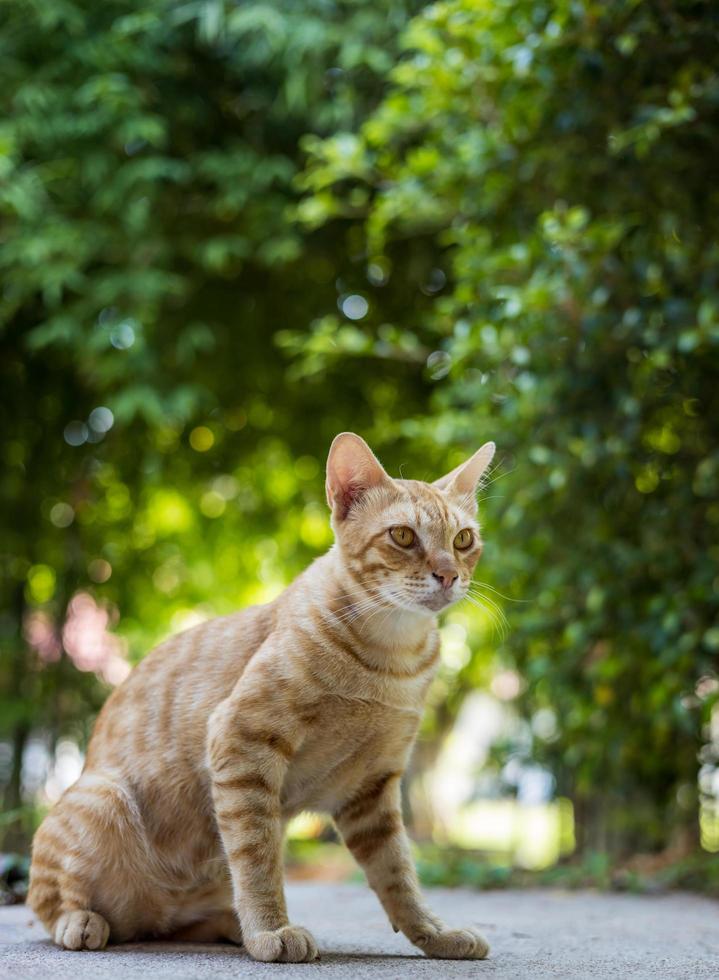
[163, 706]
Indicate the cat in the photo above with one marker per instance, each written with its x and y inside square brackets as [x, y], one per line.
[223, 733]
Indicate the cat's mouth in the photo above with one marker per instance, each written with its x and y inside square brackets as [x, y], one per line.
[439, 600]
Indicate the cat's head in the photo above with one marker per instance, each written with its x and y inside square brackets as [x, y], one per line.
[412, 544]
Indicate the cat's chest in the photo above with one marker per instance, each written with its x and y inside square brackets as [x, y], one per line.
[353, 740]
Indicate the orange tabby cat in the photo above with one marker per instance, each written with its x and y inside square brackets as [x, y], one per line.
[225, 732]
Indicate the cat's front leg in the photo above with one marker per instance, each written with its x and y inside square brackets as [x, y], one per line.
[371, 825]
[250, 746]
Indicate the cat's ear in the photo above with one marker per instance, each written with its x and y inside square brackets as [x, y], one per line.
[463, 480]
[352, 468]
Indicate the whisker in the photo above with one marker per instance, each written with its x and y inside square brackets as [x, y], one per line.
[486, 483]
[497, 608]
[487, 598]
[381, 623]
[353, 612]
[392, 595]
[496, 623]
[485, 585]
[351, 609]
[357, 610]
[500, 625]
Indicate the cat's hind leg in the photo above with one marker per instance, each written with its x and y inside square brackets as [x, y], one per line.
[81, 929]
[59, 895]
[88, 847]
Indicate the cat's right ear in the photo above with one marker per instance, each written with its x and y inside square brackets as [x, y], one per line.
[352, 469]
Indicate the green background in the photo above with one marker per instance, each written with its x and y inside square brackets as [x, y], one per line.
[243, 227]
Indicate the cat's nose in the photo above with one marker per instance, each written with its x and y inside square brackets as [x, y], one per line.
[446, 577]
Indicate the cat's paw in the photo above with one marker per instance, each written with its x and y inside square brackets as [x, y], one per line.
[291, 944]
[453, 944]
[81, 930]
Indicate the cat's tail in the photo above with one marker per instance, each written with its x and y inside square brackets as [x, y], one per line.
[59, 893]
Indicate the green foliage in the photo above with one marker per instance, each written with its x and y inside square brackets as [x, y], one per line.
[559, 159]
[594, 869]
[147, 159]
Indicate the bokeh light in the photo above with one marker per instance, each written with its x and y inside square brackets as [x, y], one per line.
[354, 306]
[202, 439]
[76, 433]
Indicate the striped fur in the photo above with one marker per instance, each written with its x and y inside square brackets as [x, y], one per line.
[222, 734]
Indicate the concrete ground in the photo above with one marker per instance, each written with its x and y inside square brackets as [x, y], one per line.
[533, 934]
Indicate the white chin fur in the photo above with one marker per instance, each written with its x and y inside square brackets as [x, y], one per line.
[436, 603]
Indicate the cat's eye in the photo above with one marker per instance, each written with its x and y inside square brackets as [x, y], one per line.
[463, 540]
[403, 536]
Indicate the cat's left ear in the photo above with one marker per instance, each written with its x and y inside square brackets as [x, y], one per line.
[463, 480]
[352, 469]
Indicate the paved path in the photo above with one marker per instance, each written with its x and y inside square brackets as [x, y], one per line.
[534, 934]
